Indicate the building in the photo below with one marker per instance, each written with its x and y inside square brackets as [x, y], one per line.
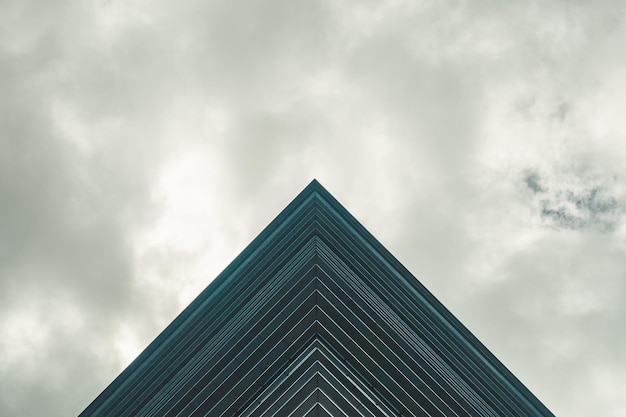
[316, 318]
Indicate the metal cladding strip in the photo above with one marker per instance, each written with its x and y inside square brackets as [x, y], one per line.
[203, 304]
[331, 393]
[182, 362]
[352, 390]
[499, 376]
[382, 306]
[414, 385]
[366, 299]
[317, 397]
[318, 411]
[328, 364]
[315, 318]
[177, 347]
[368, 325]
[208, 389]
[210, 407]
[271, 314]
[188, 364]
[380, 372]
[235, 352]
[376, 253]
[506, 405]
[420, 358]
[311, 379]
[421, 343]
[322, 394]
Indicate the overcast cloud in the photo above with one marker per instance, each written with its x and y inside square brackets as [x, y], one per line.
[144, 143]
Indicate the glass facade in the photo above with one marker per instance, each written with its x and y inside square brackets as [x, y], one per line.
[316, 318]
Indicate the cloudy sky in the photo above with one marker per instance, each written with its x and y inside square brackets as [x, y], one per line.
[145, 143]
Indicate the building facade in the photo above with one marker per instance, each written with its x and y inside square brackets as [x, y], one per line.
[316, 318]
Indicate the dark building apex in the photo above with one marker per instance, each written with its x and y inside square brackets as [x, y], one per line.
[316, 318]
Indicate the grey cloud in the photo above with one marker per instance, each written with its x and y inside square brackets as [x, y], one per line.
[61, 211]
[581, 205]
[67, 207]
[533, 181]
[391, 105]
[591, 210]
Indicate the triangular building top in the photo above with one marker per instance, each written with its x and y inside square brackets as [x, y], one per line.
[316, 318]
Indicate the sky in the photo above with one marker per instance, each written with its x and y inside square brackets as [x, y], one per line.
[145, 143]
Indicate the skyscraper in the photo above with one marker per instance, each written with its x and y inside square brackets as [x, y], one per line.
[316, 318]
